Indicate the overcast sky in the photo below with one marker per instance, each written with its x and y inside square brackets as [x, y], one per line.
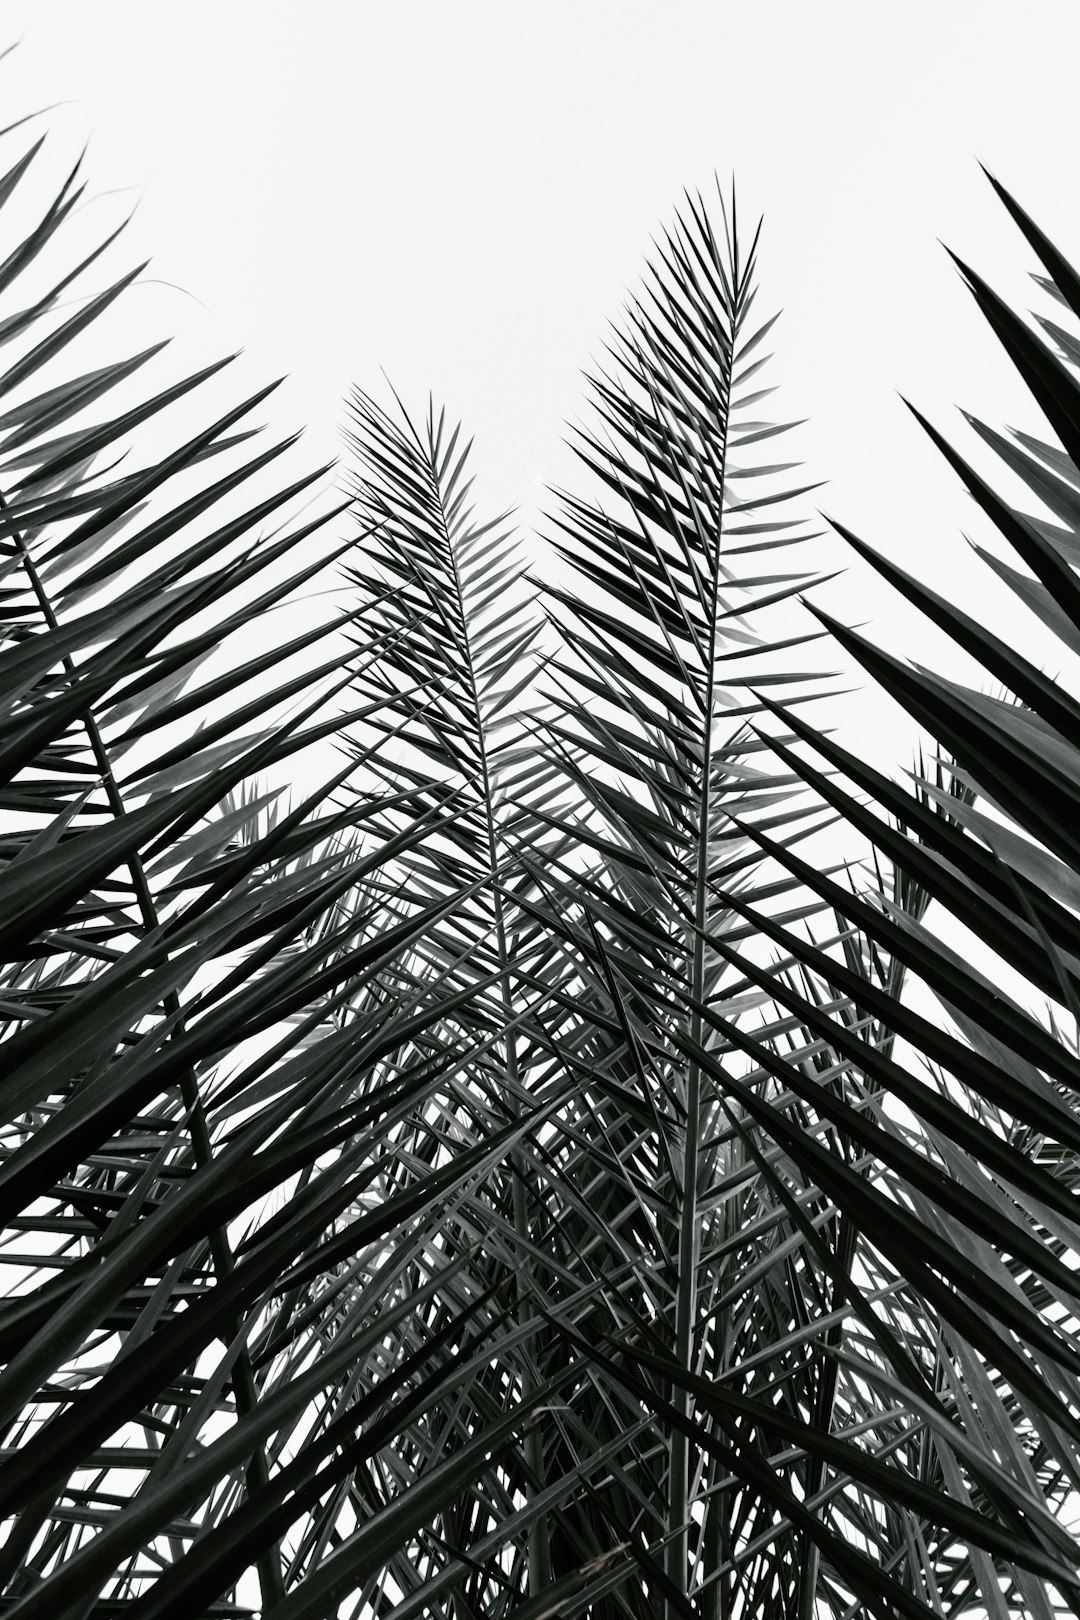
[462, 193]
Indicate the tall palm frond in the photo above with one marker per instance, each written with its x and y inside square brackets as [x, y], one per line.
[654, 689]
[460, 628]
[962, 1098]
[733, 1144]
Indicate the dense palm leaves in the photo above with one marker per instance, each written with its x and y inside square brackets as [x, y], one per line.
[989, 1231]
[792, 1341]
[517, 1174]
[212, 1232]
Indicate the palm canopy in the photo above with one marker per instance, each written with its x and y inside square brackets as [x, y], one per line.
[513, 1178]
[766, 1142]
[198, 1105]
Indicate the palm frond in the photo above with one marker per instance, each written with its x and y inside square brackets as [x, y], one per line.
[182, 961]
[977, 1122]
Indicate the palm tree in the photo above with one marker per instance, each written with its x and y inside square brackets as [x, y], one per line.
[511, 1176]
[785, 1187]
[198, 1108]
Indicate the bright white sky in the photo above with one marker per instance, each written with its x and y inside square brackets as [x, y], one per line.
[461, 192]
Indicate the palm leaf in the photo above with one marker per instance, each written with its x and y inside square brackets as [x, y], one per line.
[989, 1228]
[182, 966]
